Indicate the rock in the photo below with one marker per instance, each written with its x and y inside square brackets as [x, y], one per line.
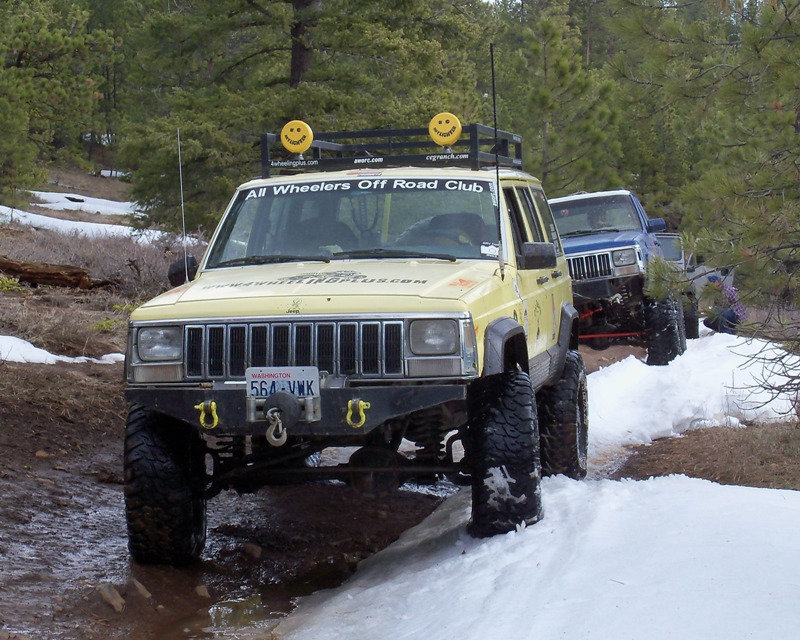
[111, 596]
[41, 453]
[143, 591]
[202, 591]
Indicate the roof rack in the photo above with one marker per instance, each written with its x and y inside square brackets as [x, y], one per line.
[372, 148]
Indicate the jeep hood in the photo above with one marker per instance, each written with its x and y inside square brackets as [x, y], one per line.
[363, 286]
[601, 241]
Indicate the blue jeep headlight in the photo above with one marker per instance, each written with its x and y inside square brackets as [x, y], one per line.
[624, 257]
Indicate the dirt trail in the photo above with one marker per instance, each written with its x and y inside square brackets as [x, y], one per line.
[63, 539]
[62, 528]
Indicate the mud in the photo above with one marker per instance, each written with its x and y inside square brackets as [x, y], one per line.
[63, 538]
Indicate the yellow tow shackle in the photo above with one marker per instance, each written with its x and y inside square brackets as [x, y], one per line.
[360, 407]
[209, 406]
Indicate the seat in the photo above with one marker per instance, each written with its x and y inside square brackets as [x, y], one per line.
[469, 225]
[455, 228]
[323, 231]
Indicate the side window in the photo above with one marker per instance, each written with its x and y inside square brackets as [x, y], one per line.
[530, 214]
[515, 215]
[550, 230]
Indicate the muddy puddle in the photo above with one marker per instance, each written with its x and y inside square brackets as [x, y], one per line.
[62, 536]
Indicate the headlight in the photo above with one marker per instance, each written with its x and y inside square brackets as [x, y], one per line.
[160, 343]
[434, 337]
[624, 257]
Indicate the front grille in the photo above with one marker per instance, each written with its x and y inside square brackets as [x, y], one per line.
[596, 265]
[357, 349]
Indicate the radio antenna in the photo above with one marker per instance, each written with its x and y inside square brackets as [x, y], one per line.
[497, 168]
[183, 211]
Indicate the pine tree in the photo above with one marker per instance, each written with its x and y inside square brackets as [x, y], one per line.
[729, 70]
[48, 86]
[746, 208]
[565, 113]
[226, 72]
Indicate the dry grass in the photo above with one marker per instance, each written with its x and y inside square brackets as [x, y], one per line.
[82, 323]
[66, 322]
[139, 270]
[71, 180]
[757, 456]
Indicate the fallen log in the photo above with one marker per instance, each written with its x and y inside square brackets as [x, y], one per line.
[57, 275]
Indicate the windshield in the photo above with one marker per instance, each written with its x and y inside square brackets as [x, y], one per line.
[593, 215]
[359, 218]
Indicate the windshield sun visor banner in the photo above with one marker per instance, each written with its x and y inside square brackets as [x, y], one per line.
[373, 184]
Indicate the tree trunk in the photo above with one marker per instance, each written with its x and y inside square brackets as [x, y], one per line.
[58, 275]
[302, 51]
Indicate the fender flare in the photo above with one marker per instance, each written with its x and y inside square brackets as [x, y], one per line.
[568, 340]
[504, 343]
[568, 332]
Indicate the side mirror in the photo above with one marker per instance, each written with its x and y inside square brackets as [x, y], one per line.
[182, 271]
[655, 225]
[538, 255]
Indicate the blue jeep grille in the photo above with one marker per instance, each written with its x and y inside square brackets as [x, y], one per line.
[596, 265]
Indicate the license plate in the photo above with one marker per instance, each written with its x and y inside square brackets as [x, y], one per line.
[302, 382]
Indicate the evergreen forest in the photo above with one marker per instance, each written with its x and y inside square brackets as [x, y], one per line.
[693, 104]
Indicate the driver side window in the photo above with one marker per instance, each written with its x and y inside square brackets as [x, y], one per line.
[518, 230]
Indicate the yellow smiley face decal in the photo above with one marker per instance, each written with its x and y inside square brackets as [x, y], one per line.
[296, 136]
[445, 129]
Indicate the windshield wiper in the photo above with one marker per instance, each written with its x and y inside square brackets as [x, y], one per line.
[589, 232]
[238, 262]
[392, 253]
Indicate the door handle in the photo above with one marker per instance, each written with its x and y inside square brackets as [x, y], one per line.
[556, 274]
[542, 279]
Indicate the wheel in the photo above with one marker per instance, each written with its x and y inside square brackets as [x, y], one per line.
[165, 506]
[503, 449]
[564, 421]
[666, 339]
[691, 320]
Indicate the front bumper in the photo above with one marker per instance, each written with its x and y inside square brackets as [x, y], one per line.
[346, 411]
[603, 289]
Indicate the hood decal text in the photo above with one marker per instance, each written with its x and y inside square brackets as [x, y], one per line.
[335, 277]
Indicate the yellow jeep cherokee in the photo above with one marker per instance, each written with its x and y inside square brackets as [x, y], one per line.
[403, 299]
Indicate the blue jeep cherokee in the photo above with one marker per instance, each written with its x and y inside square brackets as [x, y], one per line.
[609, 242]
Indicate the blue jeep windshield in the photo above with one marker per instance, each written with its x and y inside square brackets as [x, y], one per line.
[358, 218]
[594, 215]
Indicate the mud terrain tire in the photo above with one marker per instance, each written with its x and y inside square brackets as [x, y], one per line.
[164, 503]
[666, 338]
[691, 320]
[504, 453]
[564, 421]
